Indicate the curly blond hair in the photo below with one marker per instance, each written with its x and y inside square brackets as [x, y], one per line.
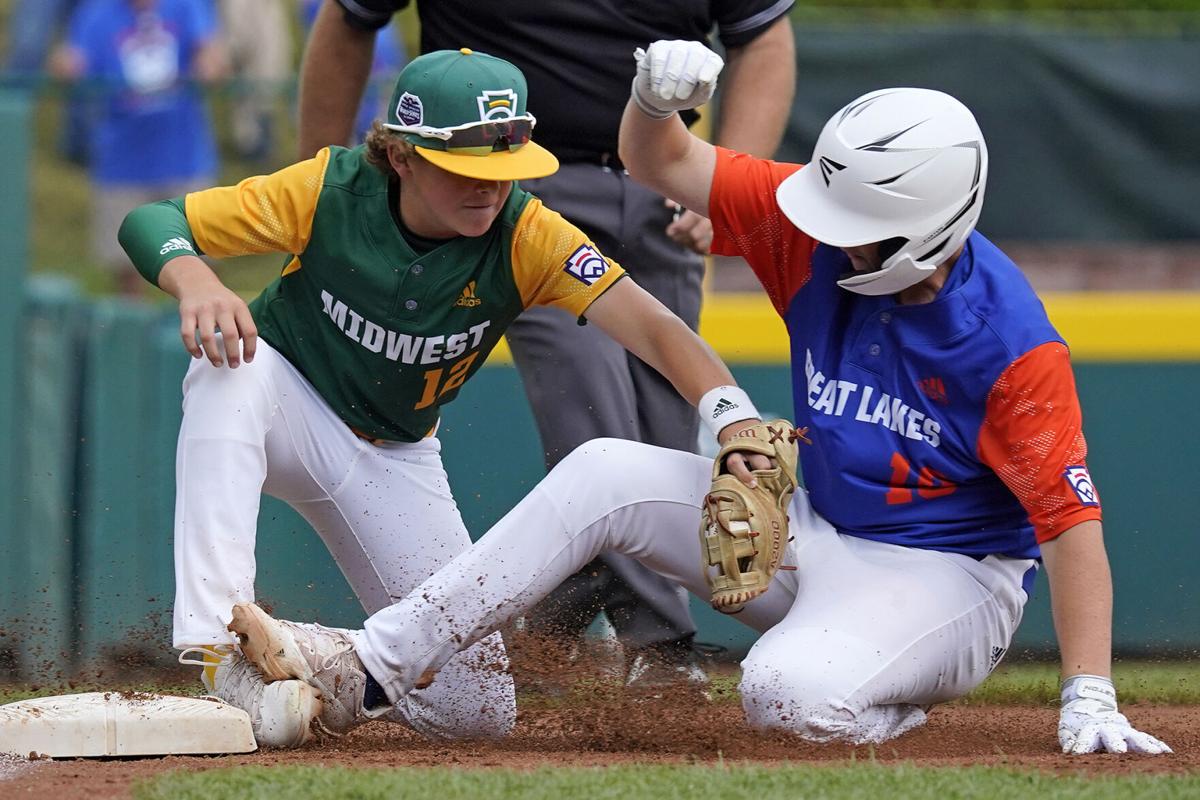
[378, 141]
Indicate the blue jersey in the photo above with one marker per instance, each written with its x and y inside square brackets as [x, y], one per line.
[951, 425]
[152, 126]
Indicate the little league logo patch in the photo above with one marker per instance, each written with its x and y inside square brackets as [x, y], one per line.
[409, 109]
[586, 264]
[500, 104]
[1081, 484]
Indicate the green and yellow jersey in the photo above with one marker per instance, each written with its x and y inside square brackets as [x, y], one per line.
[384, 333]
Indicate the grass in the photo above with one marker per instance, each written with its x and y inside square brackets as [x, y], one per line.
[1169, 682]
[735, 782]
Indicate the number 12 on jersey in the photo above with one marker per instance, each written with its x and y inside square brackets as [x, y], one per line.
[435, 387]
[929, 483]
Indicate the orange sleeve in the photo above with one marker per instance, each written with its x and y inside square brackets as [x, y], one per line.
[747, 222]
[1032, 437]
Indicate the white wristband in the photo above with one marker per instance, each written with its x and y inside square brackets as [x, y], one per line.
[724, 405]
[1095, 688]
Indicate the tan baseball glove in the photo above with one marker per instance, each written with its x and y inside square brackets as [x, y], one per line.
[744, 530]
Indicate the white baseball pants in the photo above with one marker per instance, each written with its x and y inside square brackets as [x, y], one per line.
[385, 513]
[856, 642]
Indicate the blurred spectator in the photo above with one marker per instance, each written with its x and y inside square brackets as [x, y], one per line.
[151, 136]
[258, 37]
[32, 26]
[389, 56]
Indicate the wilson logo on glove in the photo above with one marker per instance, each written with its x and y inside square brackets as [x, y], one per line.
[743, 530]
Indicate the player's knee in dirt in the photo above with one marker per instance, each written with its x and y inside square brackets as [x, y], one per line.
[813, 682]
[794, 698]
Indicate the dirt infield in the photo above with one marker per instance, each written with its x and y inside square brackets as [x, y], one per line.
[655, 731]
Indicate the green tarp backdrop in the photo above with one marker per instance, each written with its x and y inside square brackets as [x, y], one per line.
[1092, 135]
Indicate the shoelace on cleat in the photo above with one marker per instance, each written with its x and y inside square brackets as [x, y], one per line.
[222, 652]
[343, 646]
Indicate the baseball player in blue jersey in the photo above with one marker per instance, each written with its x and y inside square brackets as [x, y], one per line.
[943, 461]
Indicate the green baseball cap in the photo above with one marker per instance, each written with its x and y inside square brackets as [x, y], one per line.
[465, 112]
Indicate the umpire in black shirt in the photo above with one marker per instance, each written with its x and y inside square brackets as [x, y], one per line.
[577, 56]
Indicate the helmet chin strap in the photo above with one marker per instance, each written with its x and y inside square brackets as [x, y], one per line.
[891, 278]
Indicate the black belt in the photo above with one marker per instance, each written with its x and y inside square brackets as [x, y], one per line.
[611, 160]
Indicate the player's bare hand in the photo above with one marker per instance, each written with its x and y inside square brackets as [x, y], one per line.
[208, 307]
[690, 229]
[742, 465]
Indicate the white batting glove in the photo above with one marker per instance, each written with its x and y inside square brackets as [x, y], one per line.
[674, 75]
[1090, 723]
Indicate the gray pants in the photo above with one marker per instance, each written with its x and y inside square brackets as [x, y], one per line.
[582, 385]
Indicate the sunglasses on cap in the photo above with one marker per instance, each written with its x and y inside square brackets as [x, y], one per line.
[477, 138]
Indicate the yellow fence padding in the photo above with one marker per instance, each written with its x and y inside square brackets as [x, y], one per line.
[1098, 326]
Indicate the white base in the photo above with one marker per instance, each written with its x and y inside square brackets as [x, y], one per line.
[122, 724]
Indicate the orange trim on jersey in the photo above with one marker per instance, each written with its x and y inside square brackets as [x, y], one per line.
[1032, 435]
[263, 214]
[747, 222]
[552, 262]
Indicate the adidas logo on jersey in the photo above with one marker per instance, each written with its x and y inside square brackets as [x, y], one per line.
[176, 243]
[997, 654]
[934, 389]
[723, 405]
[468, 298]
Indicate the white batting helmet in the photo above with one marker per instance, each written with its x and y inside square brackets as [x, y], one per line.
[895, 164]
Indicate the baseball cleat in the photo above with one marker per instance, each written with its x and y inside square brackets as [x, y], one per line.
[323, 658]
[282, 714]
[269, 645]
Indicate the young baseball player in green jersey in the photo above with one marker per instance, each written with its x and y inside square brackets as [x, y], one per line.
[407, 258]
